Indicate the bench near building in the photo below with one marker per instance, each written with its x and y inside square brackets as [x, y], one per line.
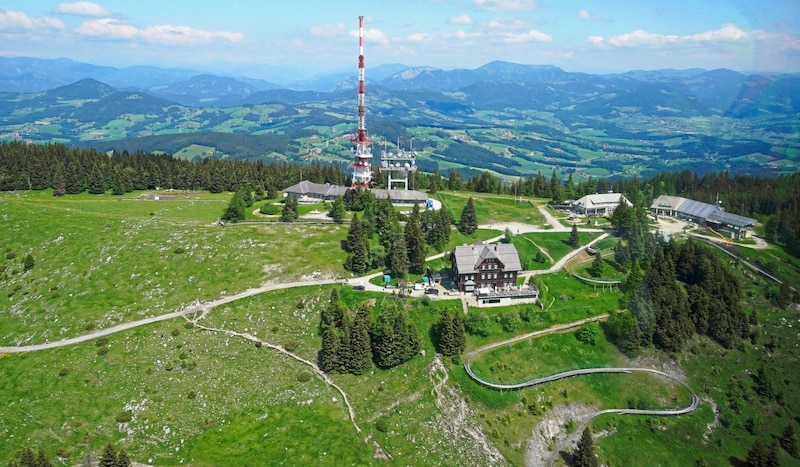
[490, 272]
[705, 214]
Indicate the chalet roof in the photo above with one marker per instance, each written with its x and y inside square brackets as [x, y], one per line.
[320, 189]
[667, 202]
[327, 190]
[731, 219]
[469, 256]
[600, 200]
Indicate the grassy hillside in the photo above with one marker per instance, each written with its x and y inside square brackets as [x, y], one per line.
[177, 393]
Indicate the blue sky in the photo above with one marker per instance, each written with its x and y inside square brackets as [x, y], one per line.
[319, 36]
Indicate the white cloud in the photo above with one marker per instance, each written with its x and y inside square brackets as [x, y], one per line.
[586, 14]
[506, 5]
[89, 9]
[640, 38]
[327, 30]
[528, 36]
[508, 24]
[463, 18]
[420, 37]
[372, 36]
[17, 21]
[161, 34]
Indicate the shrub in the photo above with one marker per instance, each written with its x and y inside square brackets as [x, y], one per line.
[55, 295]
[291, 346]
[274, 329]
[588, 333]
[304, 377]
[176, 332]
[269, 209]
[124, 416]
[189, 325]
[11, 255]
[101, 342]
[178, 250]
[169, 366]
[90, 325]
[509, 321]
[63, 372]
[191, 395]
[382, 425]
[258, 344]
[102, 350]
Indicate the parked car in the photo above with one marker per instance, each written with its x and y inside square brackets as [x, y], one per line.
[432, 291]
[359, 287]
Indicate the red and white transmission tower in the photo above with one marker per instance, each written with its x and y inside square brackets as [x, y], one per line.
[362, 172]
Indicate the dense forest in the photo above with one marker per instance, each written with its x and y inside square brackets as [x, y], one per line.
[774, 201]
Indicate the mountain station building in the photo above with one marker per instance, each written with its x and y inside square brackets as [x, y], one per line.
[705, 214]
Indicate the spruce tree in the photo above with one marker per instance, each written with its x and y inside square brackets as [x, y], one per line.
[788, 440]
[109, 458]
[357, 247]
[459, 334]
[290, 212]
[414, 242]
[397, 254]
[584, 453]
[574, 240]
[332, 314]
[445, 329]
[360, 355]
[329, 356]
[122, 459]
[758, 455]
[337, 211]
[386, 343]
[59, 181]
[469, 221]
[236, 208]
[597, 265]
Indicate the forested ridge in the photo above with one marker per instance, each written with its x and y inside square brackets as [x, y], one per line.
[773, 200]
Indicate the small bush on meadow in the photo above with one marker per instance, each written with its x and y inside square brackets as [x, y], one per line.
[178, 250]
[382, 425]
[304, 377]
[101, 342]
[102, 350]
[63, 372]
[124, 416]
[291, 346]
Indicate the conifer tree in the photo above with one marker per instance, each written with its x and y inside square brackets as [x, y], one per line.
[290, 212]
[414, 242]
[357, 247]
[597, 265]
[758, 455]
[584, 455]
[337, 211]
[445, 329]
[459, 333]
[360, 355]
[397, 254]
[574, 240]
[469, 221]
[109, 458]
[236, 208]
[122, 459]
[59, 181]
[788, 440]
[329, 356]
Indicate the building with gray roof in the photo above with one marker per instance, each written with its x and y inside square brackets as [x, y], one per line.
[705, 214]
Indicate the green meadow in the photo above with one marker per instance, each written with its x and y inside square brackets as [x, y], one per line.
[174, 393]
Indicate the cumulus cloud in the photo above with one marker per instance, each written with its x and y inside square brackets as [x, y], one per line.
[528, 36]
[506, 5]
[420, 37]
[88, 9]
[508, 24]
[640, 38]
[17, 21]
[327, 30]
[161, 34]
[373, 36]
[586, 14]
[463, 18]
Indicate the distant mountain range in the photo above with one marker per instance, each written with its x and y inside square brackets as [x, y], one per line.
[66, 101]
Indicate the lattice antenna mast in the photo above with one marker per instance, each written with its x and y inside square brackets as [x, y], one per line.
[362, 172]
